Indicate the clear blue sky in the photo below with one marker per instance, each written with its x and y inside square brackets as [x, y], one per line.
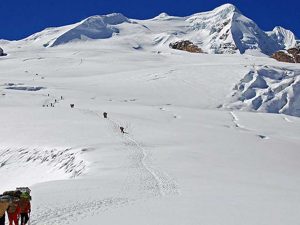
[21, 18]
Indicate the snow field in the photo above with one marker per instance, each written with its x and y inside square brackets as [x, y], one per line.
[185, 159]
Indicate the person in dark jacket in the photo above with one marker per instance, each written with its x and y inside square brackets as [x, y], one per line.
[122, 130]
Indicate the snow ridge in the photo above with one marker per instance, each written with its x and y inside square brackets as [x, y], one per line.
[284, 37]
[95, 27]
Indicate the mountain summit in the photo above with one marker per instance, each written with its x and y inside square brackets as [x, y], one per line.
[227, 30]
[222, 30]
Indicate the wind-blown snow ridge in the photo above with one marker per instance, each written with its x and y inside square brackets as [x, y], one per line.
[64, 160]
[268, 89]
[95, 27]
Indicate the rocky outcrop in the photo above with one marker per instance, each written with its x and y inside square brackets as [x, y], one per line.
[2, 52]
[186, 45]
[291, 55]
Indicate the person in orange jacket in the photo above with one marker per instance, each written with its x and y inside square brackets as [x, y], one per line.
[13, 212]
[25, 209]
[4, 203]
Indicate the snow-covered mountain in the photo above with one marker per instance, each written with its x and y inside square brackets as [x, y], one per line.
[226, 30]
[222, 30]
[209, 138]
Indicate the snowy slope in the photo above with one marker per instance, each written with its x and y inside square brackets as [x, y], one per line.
[183, 161]
[193, 153]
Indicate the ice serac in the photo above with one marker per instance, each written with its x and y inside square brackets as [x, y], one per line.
[268, 89]
[95, 27]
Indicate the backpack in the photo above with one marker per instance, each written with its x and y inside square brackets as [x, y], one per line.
[15, 194]
[13, 207]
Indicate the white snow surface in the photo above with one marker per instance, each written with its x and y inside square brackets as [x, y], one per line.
[189, 155]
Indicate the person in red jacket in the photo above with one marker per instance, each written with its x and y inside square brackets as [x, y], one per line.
[13, 212]
[25, 209]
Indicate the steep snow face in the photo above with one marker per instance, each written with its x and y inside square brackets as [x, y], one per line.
[211, 30]
[268, 89]
[248, 36]
[95, 27]
[284, 37]
[226, 30]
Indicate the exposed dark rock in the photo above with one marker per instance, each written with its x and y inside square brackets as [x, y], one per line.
[2, 52]
[291, 55]
[186, 45]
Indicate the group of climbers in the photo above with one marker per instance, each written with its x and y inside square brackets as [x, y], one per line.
[122, 129]
[17, 205]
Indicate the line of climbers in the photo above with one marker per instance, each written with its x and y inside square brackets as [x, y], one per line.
[121, 128]
[17, 205]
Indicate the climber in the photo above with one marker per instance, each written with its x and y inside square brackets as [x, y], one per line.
[4, 203]
[13, 211]
[122, 130]
[25, 208]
